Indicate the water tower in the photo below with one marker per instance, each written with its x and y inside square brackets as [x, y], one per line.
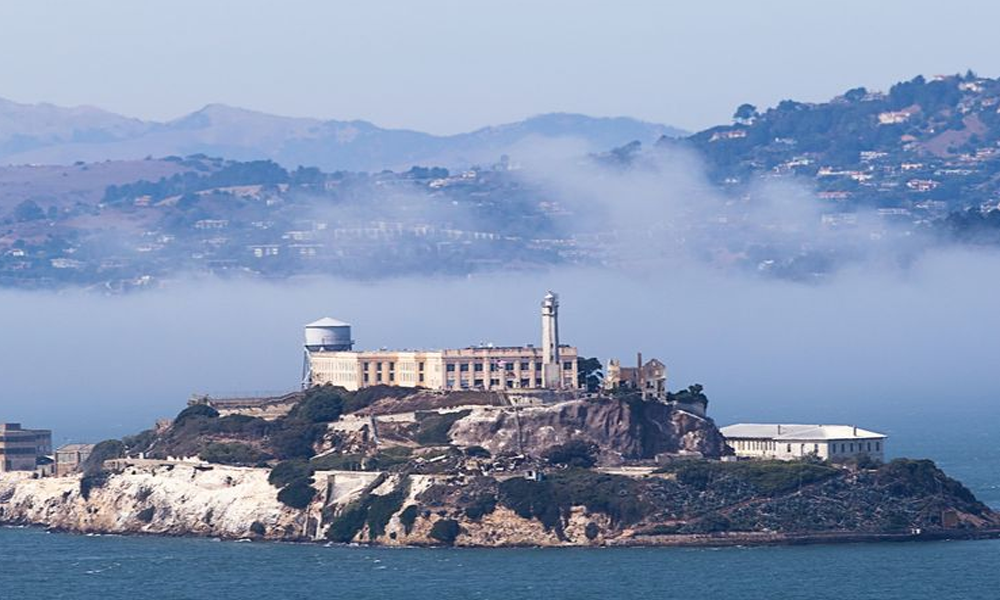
[324, 335]
[328, 335]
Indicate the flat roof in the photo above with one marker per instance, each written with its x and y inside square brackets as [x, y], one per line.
[798, 431]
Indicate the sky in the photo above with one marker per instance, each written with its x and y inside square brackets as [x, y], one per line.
[446, 66]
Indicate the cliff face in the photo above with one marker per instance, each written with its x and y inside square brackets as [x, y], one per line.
[178, 499]
[622, 429]
[696, 503]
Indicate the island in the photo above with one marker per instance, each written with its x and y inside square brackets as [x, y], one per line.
[390, 465]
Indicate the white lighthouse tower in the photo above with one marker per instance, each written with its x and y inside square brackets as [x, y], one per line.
[551, 365]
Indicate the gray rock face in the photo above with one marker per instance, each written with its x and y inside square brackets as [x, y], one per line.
[621, 428]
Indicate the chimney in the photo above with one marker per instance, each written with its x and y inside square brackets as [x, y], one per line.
[855, 431]
[779, 429]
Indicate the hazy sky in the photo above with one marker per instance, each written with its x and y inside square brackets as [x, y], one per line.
[446, 65]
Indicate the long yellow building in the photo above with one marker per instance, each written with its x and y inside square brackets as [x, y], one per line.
[330, 358]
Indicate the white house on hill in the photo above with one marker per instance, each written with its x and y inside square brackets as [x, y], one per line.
[792, 441]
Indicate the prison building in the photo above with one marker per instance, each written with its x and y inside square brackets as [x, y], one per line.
[20, 449]
[835, 443]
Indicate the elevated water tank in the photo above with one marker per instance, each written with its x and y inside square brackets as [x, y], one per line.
[328, 335]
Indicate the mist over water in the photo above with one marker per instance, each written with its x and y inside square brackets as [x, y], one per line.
[868, 346]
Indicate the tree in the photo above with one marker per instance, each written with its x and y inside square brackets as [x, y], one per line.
[590, 373]
[28, 210]
[745, 114]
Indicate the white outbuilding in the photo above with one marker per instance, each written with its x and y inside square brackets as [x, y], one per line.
[793, 441]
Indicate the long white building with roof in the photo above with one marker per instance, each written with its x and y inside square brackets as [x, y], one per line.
[795, 441]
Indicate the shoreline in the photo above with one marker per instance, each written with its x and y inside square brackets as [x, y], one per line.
[720, 540]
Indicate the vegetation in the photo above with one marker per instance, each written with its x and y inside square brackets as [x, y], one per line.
[321, 404]
[574, 453]
[446, 531]
[766, 477]
[590, 373]
[433, 427]
[370, 509]
[288, 471]
[146, 515]
[233, 453]
[550, 500]
[408, 517]
[103, 451]
[694, 394]
[297, 494]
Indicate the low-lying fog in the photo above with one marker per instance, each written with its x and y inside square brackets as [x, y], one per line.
[860, 347]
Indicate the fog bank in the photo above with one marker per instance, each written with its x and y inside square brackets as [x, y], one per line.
[863, 344]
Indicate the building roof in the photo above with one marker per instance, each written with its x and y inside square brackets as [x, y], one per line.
[75, 447]
[328, 322]
[794, 431]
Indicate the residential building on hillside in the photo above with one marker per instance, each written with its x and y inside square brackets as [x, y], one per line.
[20, 449]
[794, 441]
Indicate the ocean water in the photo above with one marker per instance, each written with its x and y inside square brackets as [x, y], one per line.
[38, 564]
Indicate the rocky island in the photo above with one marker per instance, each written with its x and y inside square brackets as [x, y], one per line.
[398, 466]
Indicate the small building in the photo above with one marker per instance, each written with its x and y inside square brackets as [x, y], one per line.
[70, 457]
[649, 378]
[794, 441]
[20, 449]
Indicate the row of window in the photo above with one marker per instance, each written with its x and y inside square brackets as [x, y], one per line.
[16, 451]
[495, 366]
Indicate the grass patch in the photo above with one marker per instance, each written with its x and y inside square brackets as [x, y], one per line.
[770, 478]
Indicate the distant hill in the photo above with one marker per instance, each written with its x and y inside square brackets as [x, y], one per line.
[47, 134]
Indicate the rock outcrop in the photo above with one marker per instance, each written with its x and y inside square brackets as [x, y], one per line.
[622, 429]
[157, 498]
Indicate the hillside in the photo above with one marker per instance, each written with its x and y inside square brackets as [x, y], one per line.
[47, 134]
[925, 147]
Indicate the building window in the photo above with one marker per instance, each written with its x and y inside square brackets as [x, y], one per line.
[525, 383]
[508, 366]
[494, 382]
[450, 368]
[538, 366]
[538, 382]
[876, 446]
[789, 448]
[525, 366]
[493, 366]
[464, 367]
[478, 367]
[478, 383]
[567, 366]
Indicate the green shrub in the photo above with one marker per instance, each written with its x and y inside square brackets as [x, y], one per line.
[297, 494]
[592, 531]
[348, 523]
[232, 453]
[381, 508]
[480, 507]
[433, 428]
[92, 481]
[321, 404]
[195, 411]
[550, 500]
[477, 452]
[295, 439]
[288, 471]
[445, 531]
[767, 477]
[408, 517]
[106, 450]
[574, 453]
[146, 515]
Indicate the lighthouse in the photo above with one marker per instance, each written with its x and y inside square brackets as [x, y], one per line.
[551, 366]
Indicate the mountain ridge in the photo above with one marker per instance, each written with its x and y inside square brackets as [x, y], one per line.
[49, 134]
